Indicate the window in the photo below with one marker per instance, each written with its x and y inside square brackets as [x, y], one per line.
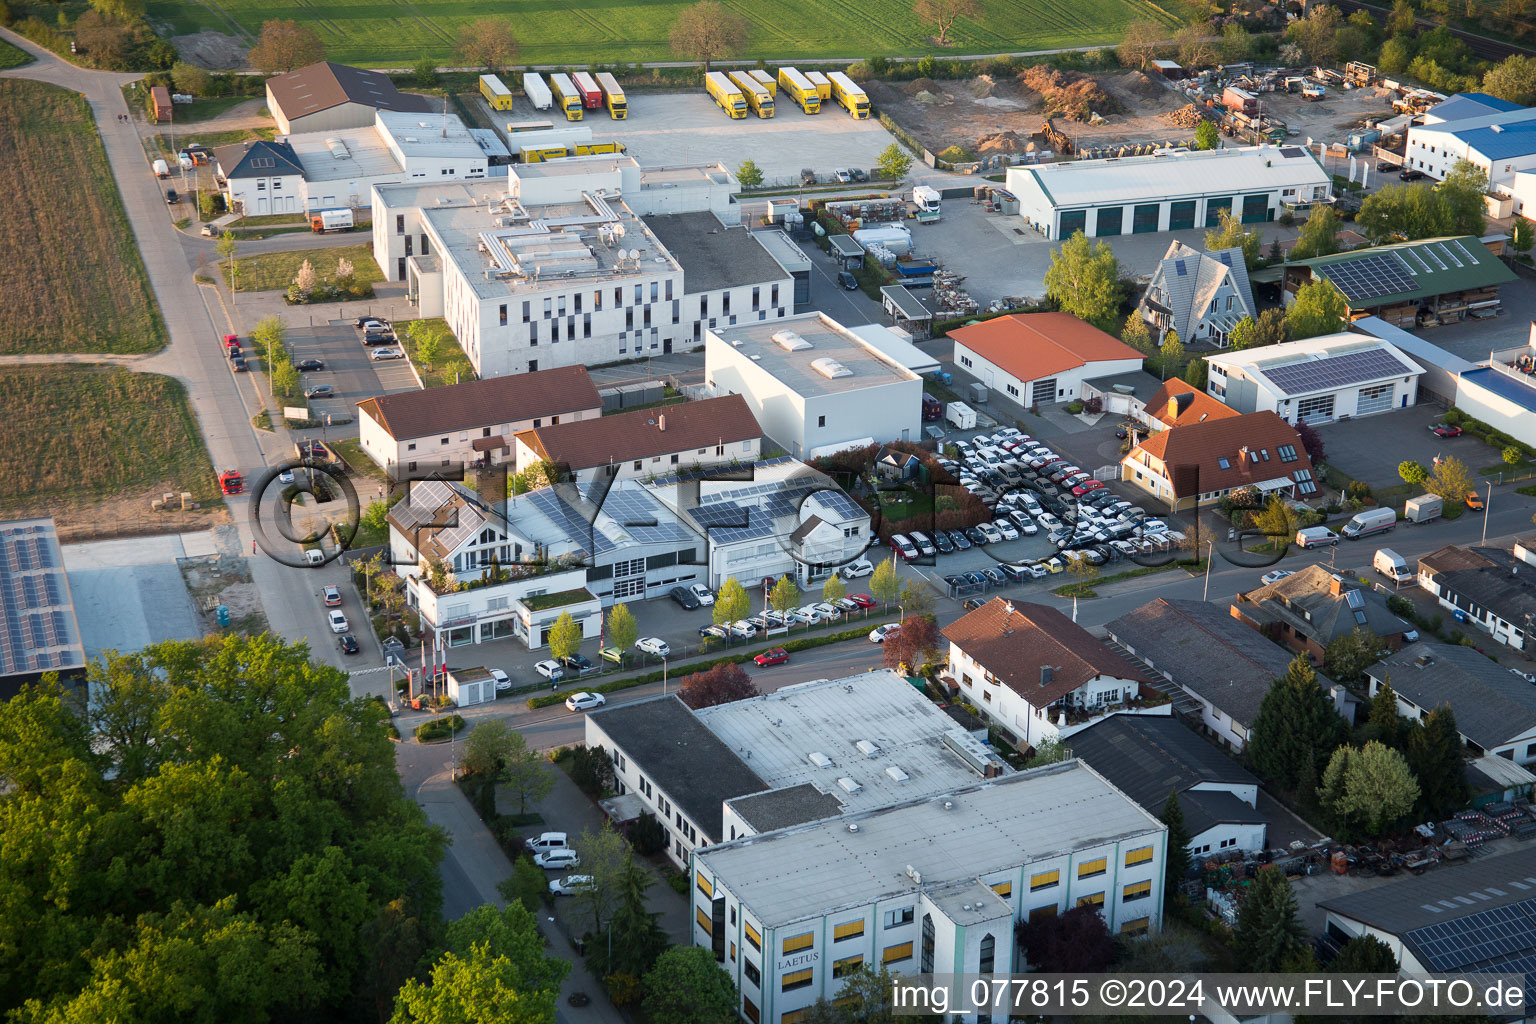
[897, 953]
[1092, 868]
[756, 297]
[848, 930]
[795, 979]
[753, 938]
[773, 296]
[754, 975]
[411, 447]
[925, 962]
[988, 955]
[965, 360]
[704, 921]
[896, 918]
[795, 943]
[704, 884]
[533, 333]
[1136, 891]
[847, 965]
[821, 421]
[399, 223]
[1224, 462]
[1004, 889]
[1044, 880]
[1138, 856]
[1319, 406]
[1042, 913]
[1287, 452]
[533, 366]
[1095, 900]
[1135, 927]
[749, 1010]
[597, 300]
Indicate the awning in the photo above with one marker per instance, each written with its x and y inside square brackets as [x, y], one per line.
[488, 444]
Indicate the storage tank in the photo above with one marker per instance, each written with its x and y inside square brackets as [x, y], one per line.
[894, 237]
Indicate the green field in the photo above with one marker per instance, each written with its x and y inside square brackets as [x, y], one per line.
[581, 34]
[275, 271]
[70, 271]
[12, 56]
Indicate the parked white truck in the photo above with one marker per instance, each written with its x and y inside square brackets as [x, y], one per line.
[537, 91]
[1392, 565]
[962, 416]
[1423, 509]
[1363, 524]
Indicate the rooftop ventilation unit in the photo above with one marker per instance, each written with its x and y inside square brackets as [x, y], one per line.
[868, 748]
[338, 148]
[830, 368]
[819, 759]
[913, 874]
[850, 785]
[896, 774]
[789, 341]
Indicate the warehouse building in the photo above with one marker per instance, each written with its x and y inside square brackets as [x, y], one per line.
[932, 885]
[38, 630]
[1499, 142]
[1174, 190]
[1410, 284]
[1317, 380]
[1494, 709]
[1040, 358]
[329, 97]
[816, 386]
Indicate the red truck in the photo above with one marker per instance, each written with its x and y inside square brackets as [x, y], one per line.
[231, 482]
[591, 95]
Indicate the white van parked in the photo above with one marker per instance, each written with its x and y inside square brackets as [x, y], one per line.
[1316, 537]
[1391, 565]
[1376, 520]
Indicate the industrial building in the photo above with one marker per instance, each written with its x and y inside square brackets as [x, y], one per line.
[1502, 391]
[328, 97]
[1174, 190]
[1483, 586]
[1317, 380]
[1410, 284]
[816, 386]
[1040, 358]
[1494, 707]
[38, 630]
[932, 885]
[1497, 137]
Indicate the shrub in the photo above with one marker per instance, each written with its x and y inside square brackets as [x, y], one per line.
[678, 880]
[1074, 407]
[647, 836]
[1094, 405]
[1400, 606]
[439, 729]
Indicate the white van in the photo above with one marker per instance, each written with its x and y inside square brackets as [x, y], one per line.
[548, 841]
[1375, 520]
[924, 545]
[1391, 565]
[1316, 537]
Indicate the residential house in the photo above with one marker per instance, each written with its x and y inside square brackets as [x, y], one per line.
[1037, 675]
[1178, 404]
[1315, 606]
[1040, 358]
[1495, 708]
[896, 466]
[261, 177]
[1484, 587]
[1200, 295]
[1196, 464]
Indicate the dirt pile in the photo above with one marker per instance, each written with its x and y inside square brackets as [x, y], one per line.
[981, 86]
[918, 85]
[1138, 84]
[1068, 94]
[1003, 142]
[1185, 117]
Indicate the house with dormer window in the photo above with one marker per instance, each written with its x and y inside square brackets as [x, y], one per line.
[1201, 295]
[1197, 463]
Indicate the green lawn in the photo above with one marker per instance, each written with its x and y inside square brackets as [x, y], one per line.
[438, 375]
[13, 56]
[269, 271]
[582, 34]
[70, 271]
[205, 108]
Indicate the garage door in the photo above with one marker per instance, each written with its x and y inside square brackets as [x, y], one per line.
[1043, 391]
[1374, 399]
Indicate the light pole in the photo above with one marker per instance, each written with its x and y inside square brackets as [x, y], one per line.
[663, 676]
[1210, 551]
[1486, 506]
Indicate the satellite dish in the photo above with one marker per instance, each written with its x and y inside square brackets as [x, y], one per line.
[618, 231]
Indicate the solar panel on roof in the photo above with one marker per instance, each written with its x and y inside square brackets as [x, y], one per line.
[1471, 258]
[1178, 265]
[1428, 251]
[1370, 277]
[1478, 940]
[1225, 257]
[1333, 372]
[1446, 252]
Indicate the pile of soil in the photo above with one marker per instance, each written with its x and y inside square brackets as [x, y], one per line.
[918, 85]
[981, 86]
[1138, 84]
[1185, 117]
[1068, 94]
[1003, 142]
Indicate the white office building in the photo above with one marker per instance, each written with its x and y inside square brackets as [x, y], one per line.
[1174, 190]
[814, 385]
[1501, 143]
[1316, 380]
[933, 885]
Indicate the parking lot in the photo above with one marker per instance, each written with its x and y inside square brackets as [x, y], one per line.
[1355, 448]
[349, 369]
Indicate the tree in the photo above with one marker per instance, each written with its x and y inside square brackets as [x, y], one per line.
[1197, 47]
[731, 603]
[622, 631]
[1521, 235]
[591, 769]
[1196, 373]
[1513, 79]
[1207, 136]
[487, 42]
[124, 11]
[893, 163]
[190, 78]
[885, 584]
[720, 684]
[564, 637]
[429, 348]
[458, 369]
[1383, 723]
[1396, 55]
[1077, 942]
[525, 773]
[1451, 480]
[1367, 790]
[784, 595]
[1135, 333]
[1317, 33]
[1437, 757]
[1412, 472]
[1348, 656]
[1402, 20]
[1269, 935]
[1512, 455]
[1048, 752]
[602, 856]
[1296, 723]
[489, 747]
[1319, 236]
[285, 45]
[707, 31]
[943, 14]
[916, 599]
[424, 72]
[269, 335]
[1172, 351]
[1229, 233]
[1276, 519]
[228, 247]
[1320, 308]
[1141, 43]
[1084, 280]
[633, 939]
[687, 984]
[914, 644]
[867, 997]
[1079, 566]
[494, 969]
[285, 379]
[1176, 861]
[749, 174]
[1364, 954]
[1268, 329]
[527, 884]
[1311, 440]
[833, 590]
[1236, 44]
[305, 279]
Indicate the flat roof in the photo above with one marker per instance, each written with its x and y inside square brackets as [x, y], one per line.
[713, 255]
[900, 728]
[907, 304]
[1502, 385]
[897, 347]
[782, 248]
[812, 870]
[346, 155]
[38, 628]
[684, 175]
[434, 135]
[570, 166]
[826, 339]
[1420, 350]
[1176, 174]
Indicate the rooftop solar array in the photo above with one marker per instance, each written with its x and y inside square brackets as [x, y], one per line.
[577, 527]
[37, 619]
[724, 473]
[837, 503]
[1333, 371]
[1478, 940]
[1371, 277]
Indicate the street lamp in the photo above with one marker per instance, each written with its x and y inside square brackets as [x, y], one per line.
[663, 676]
[1210, 553]
[1486, 505]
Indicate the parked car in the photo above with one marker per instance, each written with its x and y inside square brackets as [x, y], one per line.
[653, 645]
[742, 629]
[612, 654]
[319, 391]
[381, 354]
[879, 633]
[977, 537]
[809, 614]
[584, 701]
[904, 547]
[558, 858]
[577, 665]
[1445, 430]
[348, 643]
[942, 542]
[309, 365]
[701, 592]
[337, 620]
[825, 610]
[684, 597]
[1276, 575]
[1474, 502]
[570, 885]
[550, 669]
[846, 604]
[332, 594]
[858, 174]
[1085, 487]
[843, 175]
[862, 600]
[1411, 175]
[857, 568]
[772, 656]
[959, 540]
[848, 282]
[713, 630]
[503, 681]
[972, 603]
[1006, 529]
[171, 198]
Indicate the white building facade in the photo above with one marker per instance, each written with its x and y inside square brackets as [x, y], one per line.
[1317, 380]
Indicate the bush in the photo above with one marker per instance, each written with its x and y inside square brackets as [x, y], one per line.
[1400, 606]
[647, 836]
[439, 729]
[678, 880]
[1074, 407]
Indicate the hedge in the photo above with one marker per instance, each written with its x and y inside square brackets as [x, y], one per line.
[791, 646]
[439, 729]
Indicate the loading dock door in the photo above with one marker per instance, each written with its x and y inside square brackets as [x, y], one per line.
[1043, 391]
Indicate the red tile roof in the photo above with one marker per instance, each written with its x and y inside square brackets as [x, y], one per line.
[1192, 454]
[1197, 408]
[484, 403]
[1035, 345]
[1014, 641]
[644, 433]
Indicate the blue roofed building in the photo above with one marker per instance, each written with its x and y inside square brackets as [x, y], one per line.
[1496, 136]
[1464, 105]
[1502, 391]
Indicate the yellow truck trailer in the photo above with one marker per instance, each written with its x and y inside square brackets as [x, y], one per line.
[613, 96]
[822, 83]
[800, 89]
[495, 93]
[767, 81]
[848, 95]
[567, 96]
[759, 99]
[726, 93]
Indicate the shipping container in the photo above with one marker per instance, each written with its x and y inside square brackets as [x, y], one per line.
[495, 92]
[567, 96]
[822, 83]
[766, 80]
[613, 95]
[849, 96]
[759, 99]
[726, 94]
[160, 102]
[800, 89]
[537, 92]
[586, 85]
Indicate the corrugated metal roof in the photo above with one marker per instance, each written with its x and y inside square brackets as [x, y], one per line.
[1178, 175]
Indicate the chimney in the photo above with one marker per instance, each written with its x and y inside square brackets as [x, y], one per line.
[1336, 585]
[661, 422]
[1045, 676]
